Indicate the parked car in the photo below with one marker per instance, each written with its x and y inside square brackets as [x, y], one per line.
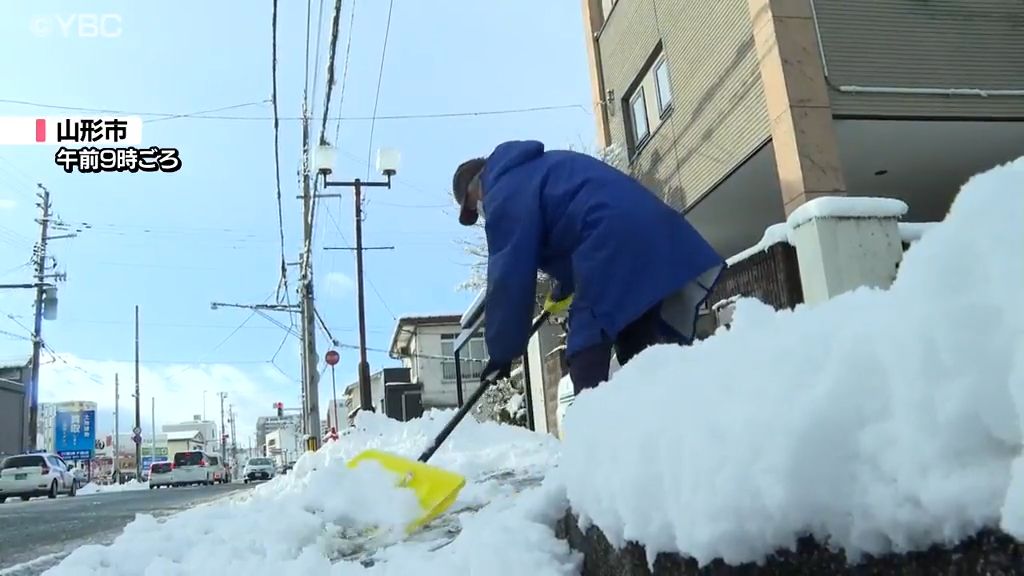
[40, 474]
[258, 469]
[161, 474]
[192, 467]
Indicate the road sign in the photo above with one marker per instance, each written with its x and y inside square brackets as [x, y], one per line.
[75, 431]
[332, 357]
[137, 439]
[137, 431]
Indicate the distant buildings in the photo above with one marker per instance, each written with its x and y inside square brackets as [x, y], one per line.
[203, 431]
[267, 424]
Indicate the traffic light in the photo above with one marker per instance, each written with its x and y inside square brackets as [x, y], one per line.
[280, 409]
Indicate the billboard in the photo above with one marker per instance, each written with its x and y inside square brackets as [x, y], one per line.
[75, 433]
[148, 460]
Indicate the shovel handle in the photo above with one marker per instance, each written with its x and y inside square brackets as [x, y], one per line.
[470, 402]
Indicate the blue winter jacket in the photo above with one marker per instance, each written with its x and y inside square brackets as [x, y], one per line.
[598, 232]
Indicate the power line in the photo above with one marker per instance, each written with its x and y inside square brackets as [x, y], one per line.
[283, 282]
[335, 25]
[160, 116]
[344, 73]
[316, 52]
[368, 279]
[195, 326]
[380, 76]
[418, 116]
[55, 357]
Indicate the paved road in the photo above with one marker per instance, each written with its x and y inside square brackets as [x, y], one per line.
[48, 530]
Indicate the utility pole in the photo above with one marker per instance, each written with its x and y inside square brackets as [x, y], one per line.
[234, 441]
[152, 418]
[138, 415]
[223, 447]
[45, 308]
[389, 169]
[116, 472]
[310, 379]
[37, 332]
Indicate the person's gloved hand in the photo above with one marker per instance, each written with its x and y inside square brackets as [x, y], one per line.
[495, 371]
[556, 307]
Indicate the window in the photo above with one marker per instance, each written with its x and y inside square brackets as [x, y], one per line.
[663, 86]
[188, 459]
[23, 462]
[473, 356]
[638, 117]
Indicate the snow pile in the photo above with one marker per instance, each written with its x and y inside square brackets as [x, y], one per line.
[93, 488]
[301, 522]
[881, 420]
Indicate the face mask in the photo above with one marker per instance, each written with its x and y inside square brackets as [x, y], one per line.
[480, 209]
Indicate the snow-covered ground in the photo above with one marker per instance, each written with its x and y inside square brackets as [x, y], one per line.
[300, 522]
[92, 488]
[883, 419]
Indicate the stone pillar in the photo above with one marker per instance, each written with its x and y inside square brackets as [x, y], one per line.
[796, 96]
[593, 20]
[843, 245]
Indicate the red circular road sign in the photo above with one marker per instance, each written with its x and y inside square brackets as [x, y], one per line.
[332, 357]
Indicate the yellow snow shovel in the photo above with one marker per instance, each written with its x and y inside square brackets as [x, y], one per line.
[436, 488]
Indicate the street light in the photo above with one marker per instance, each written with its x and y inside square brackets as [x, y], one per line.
[387, 164]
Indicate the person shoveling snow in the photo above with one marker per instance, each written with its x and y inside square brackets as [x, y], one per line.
[880, 420]
[631, 271]
[629, 268]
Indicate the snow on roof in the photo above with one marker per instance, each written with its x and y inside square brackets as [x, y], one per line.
[406, 322]
[847, 207]
[879, 419]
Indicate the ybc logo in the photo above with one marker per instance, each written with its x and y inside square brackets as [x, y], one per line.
[80, 25]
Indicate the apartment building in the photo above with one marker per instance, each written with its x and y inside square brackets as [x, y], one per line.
[738, 111]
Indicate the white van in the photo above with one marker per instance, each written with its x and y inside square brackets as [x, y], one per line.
[193, 467]
[161, 474]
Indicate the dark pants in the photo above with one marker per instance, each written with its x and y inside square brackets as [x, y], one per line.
[589, 367]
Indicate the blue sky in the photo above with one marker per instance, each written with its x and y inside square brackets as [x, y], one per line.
[172, 243]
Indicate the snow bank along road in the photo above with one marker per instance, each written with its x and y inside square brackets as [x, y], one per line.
[52, 528]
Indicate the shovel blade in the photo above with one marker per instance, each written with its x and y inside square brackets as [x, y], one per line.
[435, 488]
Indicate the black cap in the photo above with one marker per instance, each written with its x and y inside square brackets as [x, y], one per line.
[460, 188]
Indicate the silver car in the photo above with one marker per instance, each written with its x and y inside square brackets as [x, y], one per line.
[258, 469]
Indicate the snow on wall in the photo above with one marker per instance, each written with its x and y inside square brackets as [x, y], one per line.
[910, 232]
[847, 207]
[884, 420]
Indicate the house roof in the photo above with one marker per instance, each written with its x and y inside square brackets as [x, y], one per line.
[11, 364]
[406, 325]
